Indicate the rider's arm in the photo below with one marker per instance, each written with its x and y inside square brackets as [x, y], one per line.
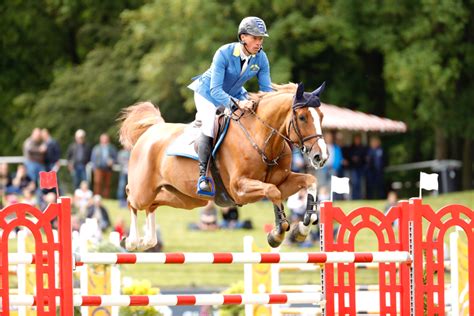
[263, 75]
[244, 95]
[217, 79]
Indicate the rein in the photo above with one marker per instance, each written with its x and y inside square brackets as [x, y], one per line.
[274, 131]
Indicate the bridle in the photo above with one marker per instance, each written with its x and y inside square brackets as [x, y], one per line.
[293, 123]
[301, 139]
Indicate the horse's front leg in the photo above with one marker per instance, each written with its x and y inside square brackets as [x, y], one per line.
[249, 190]
[294, 183]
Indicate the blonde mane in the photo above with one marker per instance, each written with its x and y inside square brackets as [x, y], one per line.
[278, 89]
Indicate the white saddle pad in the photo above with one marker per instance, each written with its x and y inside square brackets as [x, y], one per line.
[183, 146]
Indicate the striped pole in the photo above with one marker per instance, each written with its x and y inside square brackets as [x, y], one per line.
[227, 258]
[174, 300]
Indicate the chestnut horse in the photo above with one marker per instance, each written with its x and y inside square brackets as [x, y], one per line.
[254, 160]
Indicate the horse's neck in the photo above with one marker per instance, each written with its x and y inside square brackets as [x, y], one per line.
[270, 113]
[274, 112]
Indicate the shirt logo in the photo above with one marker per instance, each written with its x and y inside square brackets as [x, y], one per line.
[254, 67]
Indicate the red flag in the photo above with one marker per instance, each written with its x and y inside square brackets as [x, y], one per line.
[48, 180]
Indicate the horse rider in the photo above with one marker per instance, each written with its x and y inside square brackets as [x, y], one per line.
[222, 85]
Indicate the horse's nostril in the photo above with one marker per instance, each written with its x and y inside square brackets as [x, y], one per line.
[317, 157]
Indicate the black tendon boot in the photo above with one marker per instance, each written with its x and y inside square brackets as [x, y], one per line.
[204, 185]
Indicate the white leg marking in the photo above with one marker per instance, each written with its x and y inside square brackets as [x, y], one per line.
[133, 236]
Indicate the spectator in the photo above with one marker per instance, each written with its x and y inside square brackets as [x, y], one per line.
[120, 227]
[334, 162]
[34, 151]
[324, 194]
[78, 155]
[230, 217]
[298, 163]
[207, 218]
[99, 212]
[52, 153]
[82, 198]
[392, 200]
[357, 158]
[297, 205]
[48, 199]
[20, 181]
[375, 168]
[29, 197]
[122, 159]
[103, 158]
[342, 171]
[5, 177]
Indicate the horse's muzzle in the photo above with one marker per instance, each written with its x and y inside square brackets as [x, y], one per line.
[317, 160]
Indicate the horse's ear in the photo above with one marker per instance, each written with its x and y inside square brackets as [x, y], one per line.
[300, 91]
[319, 90]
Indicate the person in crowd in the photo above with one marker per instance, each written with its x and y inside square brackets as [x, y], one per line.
[78, 155]
[19, 181]
[375, 168]
[230, 217]
[5, 177]
[34, 152]
[29, 197]
[207, 218]
[122, 159]
[392, 200]
[82, 198]
[324, 193]
[98, 211]
[120, 227]
[222, 85]
[298, 163]
[357, 153]
[47, 199]
[52, 153]
[343, 169]
[104, 155]
[334, 162]
[297, 205]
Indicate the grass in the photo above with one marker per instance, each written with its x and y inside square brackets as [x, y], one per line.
[174, 223]
[177, 238]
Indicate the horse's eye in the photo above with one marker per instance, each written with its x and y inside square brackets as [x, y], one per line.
[302, 118]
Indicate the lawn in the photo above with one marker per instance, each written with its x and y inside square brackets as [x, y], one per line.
[177, 238]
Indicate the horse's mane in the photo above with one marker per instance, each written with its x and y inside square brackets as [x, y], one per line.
[278, 89]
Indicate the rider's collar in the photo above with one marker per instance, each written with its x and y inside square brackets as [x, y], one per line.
[239, 52]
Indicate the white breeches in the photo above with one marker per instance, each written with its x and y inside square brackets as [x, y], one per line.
[206, 113]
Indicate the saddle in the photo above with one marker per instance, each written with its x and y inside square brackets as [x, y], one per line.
[186, 146]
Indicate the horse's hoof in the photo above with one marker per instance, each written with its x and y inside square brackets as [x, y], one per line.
[129, 245]
[296, 235]
[274, 242]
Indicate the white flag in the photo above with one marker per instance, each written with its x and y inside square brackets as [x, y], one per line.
[429, 181]
[339, 185]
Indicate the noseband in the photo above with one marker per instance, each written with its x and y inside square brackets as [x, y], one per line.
[301, 139]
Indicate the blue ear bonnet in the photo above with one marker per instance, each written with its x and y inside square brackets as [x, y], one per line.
[307, 99]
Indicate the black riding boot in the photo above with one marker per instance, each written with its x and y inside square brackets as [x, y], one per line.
[204, 186]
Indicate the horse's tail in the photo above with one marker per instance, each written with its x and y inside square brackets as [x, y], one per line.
[136, 119]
